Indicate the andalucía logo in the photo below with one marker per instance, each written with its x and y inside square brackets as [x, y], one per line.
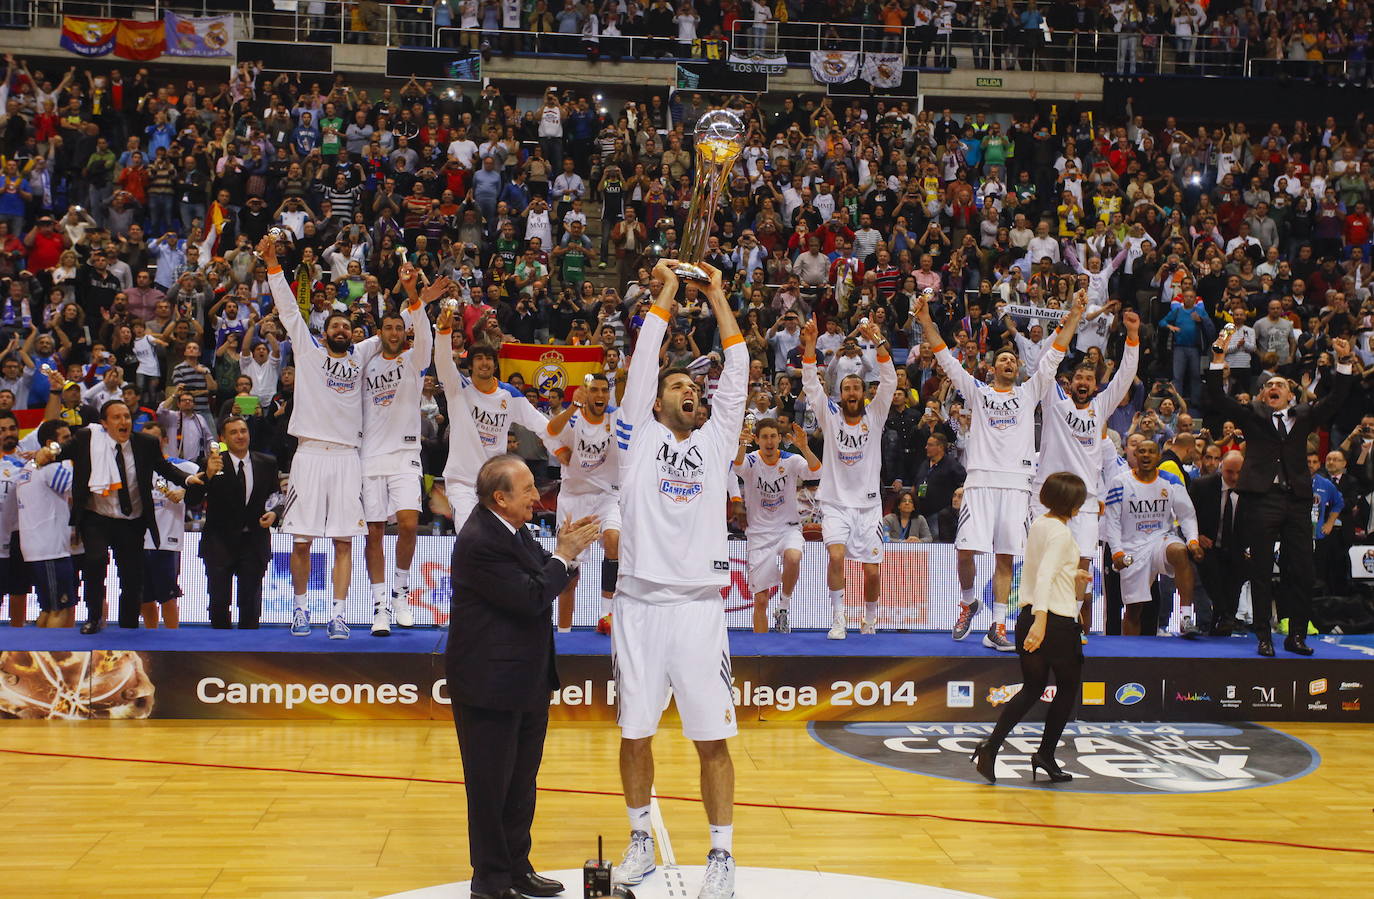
[1103, 758]
[1130, 694]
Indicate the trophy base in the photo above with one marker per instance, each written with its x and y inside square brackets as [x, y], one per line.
[691, 272]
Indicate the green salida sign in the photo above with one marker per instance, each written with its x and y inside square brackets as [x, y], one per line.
[983, 81]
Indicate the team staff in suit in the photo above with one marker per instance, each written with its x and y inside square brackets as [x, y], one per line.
[1222, 568]
[1276, 488]
[237, 540]
[500, 665]
[112, 508]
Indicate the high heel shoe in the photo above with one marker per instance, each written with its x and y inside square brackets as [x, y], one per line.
[984, 758]
[1050, 767]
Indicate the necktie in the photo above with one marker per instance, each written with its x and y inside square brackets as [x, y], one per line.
[527, 541]
[1228, 517]
[126, 503]
[181, 434]
[242, 483]
[1281, 424]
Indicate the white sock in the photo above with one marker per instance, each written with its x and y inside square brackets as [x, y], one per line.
[837, 601]
[966, 597]
[639, 818]
[565, 630]
[999, 612]
[301, 601]
[871, 612]
[400, 581]
[606, 603]
[338, 610]
[784, 601]
[379, 594]
[722, 836]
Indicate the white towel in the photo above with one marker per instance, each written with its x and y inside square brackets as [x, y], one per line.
[104, 471]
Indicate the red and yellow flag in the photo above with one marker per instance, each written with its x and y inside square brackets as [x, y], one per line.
[140, 40]
[551, 369]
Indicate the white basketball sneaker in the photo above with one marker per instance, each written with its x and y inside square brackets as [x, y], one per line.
[381, 619]
[400, 608]
[638, 862]
[868, 627]
[719, 880]
[837, 630]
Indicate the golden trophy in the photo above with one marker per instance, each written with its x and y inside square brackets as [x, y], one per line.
[719, 141]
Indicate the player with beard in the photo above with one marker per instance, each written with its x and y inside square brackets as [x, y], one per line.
[15, 579]
[669, 633]
[1145, 509]
[480, 412]
[1071, 434]
[770, 479]
[1001, 463]
[324, 497]
[392, 381]
[850, 494]
[580, 436]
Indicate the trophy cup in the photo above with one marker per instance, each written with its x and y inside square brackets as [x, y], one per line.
[719, 140]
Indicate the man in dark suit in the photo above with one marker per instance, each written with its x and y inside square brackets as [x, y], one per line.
[1222, 568]
[1276, 488]
[113, 510]
[237, 540]
[500, 666]
[1353, 517]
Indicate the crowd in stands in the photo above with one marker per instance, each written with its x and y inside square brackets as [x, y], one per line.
[130, 206]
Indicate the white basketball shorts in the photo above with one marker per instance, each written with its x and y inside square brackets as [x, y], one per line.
[994, 520]
[605, 506]
[386, 494]
[1151, 561]
[659, 649]
[860, 530]
[324, 496]
[765, 556]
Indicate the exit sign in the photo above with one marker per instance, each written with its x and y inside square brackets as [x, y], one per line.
[988, 82]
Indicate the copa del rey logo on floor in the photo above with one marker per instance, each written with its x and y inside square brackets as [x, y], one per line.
[1103, 758]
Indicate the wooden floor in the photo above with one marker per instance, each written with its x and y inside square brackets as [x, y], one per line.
[87, 828]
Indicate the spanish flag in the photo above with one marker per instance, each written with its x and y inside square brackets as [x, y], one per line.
[216, 220]
[552, 369]
[140, 40]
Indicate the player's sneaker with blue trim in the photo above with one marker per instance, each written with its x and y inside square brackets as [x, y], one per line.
[965, 621]
[638, 862]
[337, 629]
[381, 619]
[300, 623]
[719, 880]
[781, 624]
[996, 638]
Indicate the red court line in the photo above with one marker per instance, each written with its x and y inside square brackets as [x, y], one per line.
[764, 805]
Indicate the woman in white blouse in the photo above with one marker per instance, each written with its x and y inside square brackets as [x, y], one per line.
[1048, 636]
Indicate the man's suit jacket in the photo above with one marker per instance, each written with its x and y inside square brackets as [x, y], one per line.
[500, 637]
[231, 526]
[148, 459]
[1205, 493]
[1265, 451]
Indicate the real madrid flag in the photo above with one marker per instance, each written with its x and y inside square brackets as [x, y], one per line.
[88, 37]
[882, 69]
[834, 66]
[551, 369]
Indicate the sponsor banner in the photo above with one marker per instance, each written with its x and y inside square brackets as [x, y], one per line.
[1306, 690]
[203, 36]
[88, 37]
[140, 40]
[758, 65]
[411, 685]
[1021, 310]
[552, 369]
[834, 66]
[1178, 757]
[882, 69]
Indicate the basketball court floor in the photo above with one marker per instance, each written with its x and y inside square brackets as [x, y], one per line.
[375, 808]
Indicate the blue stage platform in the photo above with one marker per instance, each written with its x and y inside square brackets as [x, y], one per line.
[197, 672]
